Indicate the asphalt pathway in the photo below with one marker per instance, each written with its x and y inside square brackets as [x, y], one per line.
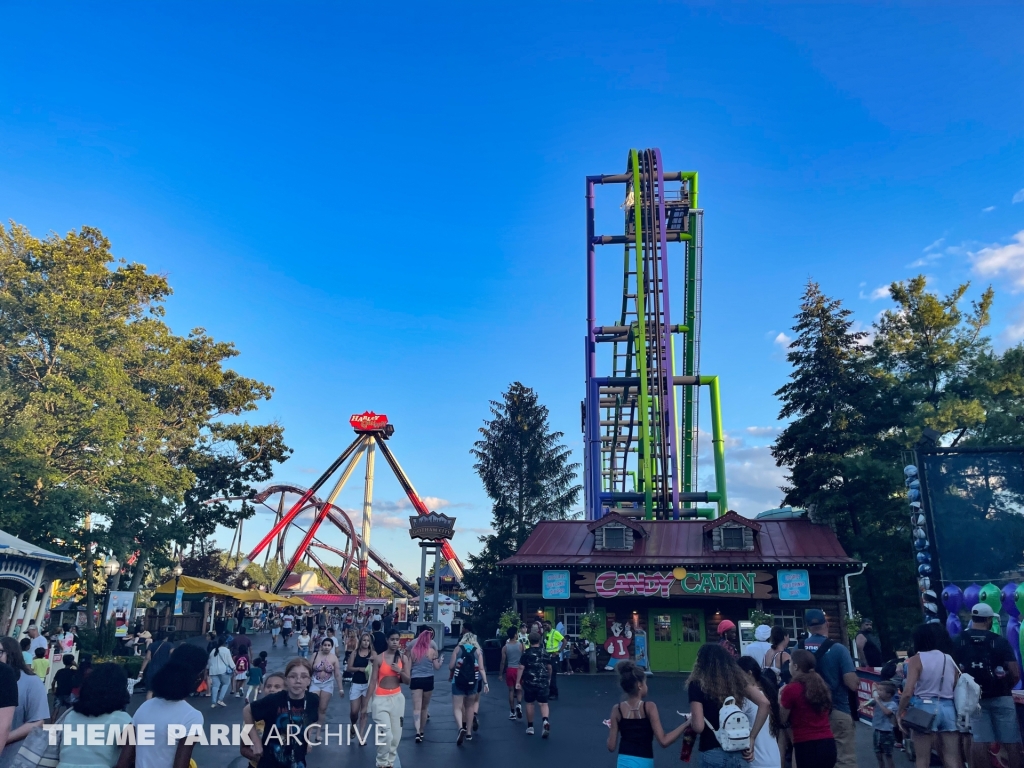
[578, 734]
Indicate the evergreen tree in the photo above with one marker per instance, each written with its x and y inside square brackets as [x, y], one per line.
[526, 472]
[857, 408]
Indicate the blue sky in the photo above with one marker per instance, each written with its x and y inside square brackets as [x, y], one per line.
[384, 208]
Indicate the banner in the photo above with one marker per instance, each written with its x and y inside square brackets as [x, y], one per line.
[119, 610]
[178, 595]
[401, 610]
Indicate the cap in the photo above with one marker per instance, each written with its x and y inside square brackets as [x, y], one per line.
[724, 626]
[814, 617]
[982, 611]
[762, 633]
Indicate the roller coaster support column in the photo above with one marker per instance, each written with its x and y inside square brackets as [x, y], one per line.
[690, 177]
[717, 441]
[364, 551]
[311, 532]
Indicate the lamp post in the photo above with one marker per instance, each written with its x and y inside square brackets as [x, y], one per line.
[245, 583]
[110, 568]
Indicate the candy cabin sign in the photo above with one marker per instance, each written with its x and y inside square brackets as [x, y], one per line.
[677, 582]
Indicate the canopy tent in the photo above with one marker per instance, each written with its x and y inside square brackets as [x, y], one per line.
[194, 588]
[258, 596]
[29, 571]
[292, 600]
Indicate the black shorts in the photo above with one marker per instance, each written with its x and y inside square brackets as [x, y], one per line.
[286, 632]
[421, 684]
[538, 695]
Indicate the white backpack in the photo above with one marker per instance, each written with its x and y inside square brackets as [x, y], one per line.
[733, 732]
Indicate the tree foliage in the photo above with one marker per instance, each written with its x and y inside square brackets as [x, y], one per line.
[856, 406]
[526, 473]
[105, 411]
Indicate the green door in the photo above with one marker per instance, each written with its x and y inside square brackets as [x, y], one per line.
[675, 636]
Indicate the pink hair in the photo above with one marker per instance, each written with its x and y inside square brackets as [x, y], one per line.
[422, 645]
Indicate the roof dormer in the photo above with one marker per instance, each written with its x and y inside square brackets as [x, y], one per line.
[732, 533]
[615, 533]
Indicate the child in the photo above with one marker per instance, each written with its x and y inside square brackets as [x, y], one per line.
[261, 662]
[26, 654]
[63, 682]
[637, 720]
[532, 678]
[272, 684]
[241, 670]
[252, 688]
[882, 721]
[40, 664]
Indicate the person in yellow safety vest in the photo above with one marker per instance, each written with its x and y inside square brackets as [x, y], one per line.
[553, 642]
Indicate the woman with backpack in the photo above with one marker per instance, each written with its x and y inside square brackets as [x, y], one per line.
[777, 657]
[220, 667]
[717, 690]
[766, 745]
[931, 680]
[805, 705]
[635, 723]
[469, 677]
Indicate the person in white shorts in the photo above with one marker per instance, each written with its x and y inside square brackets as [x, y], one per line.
[361, 666]
[326, 671]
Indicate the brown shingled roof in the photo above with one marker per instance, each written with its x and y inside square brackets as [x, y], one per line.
[682, 542]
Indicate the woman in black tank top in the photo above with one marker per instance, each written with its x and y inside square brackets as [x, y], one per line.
[358, 665]
[635, 723]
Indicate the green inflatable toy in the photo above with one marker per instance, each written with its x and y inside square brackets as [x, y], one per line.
[991, 596]
[1019, 599]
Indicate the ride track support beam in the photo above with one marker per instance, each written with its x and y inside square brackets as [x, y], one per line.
[285, 521]
[367, 518]
[420, 507]
[303, 547]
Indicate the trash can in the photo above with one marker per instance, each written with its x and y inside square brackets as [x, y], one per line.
[492, 655]
[247, 623]
[229, 625]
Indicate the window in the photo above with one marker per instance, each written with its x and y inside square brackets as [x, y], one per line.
[663, 628]
[792, 620]
[732, 537]
[614, 537]
[572, 618]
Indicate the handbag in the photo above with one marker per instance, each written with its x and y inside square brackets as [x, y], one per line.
[920, 719]
[36, 750]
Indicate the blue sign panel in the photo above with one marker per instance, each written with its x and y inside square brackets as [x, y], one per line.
[556, 585]
[794, 585]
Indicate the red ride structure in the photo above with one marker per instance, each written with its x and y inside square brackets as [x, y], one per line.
[372, 432]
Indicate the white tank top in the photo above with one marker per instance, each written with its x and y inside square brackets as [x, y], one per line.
[935, 682]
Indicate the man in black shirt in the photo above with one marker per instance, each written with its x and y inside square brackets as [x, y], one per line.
[988, 658]
[380, 640]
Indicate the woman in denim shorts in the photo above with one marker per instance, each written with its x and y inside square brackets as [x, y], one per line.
[931, 678]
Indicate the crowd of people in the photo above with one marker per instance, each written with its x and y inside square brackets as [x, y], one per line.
[772, 706]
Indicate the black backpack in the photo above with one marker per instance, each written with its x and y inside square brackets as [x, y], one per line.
[465, 675]
[975, 654]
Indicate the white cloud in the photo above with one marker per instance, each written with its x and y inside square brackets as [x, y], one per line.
[1019, 197]
[989, 209]
[763, 431]
[753, 479]
[881, 292]
[1008, 260]
[783, 340]
[934, 245]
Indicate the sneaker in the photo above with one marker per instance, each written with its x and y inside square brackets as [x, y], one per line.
[221, 704]
[547, 730]
[476, 724]
[519, 711]
[512, 715]
[529, 731]
[469, 737]
[462, 737]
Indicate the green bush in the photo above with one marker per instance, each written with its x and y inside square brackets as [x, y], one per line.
[88, 641]
[132, 665]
